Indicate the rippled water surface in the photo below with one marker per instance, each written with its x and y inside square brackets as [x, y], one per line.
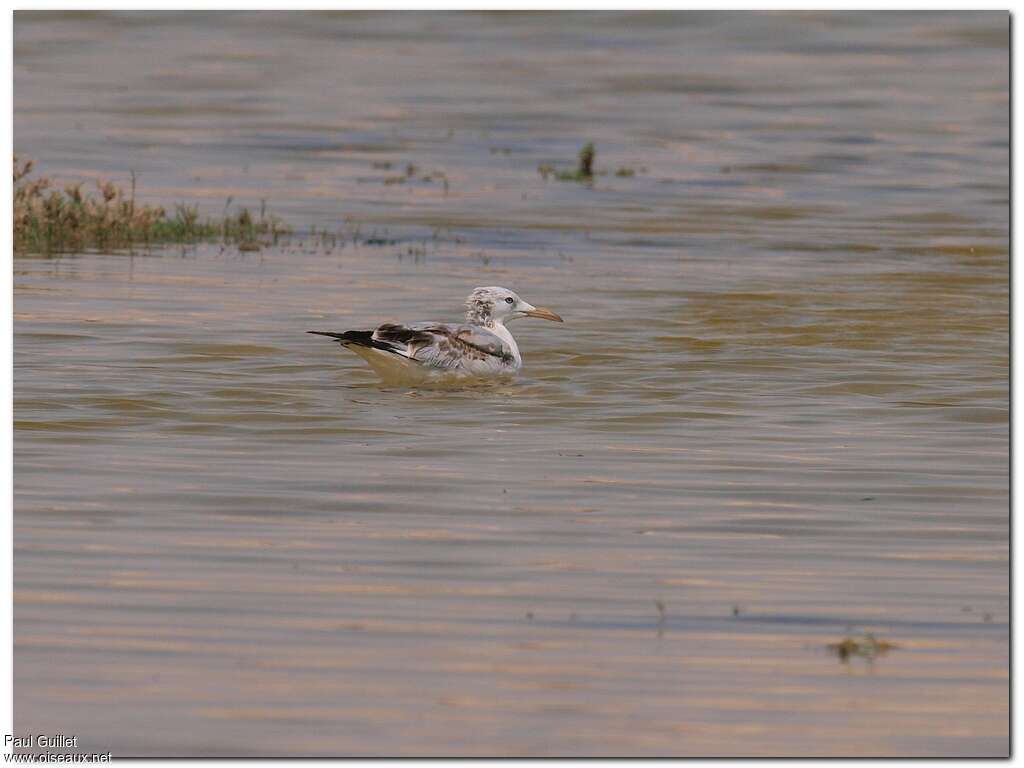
[777, 413]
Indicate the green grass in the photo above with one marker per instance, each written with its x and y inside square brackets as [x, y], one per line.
[50, 220]
[584, 171]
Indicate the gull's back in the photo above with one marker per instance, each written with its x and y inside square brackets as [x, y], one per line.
[426, 352]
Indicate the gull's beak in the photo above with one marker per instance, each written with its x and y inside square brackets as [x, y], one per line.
[544, 314]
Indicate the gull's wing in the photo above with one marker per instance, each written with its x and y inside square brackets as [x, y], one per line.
[448, 347]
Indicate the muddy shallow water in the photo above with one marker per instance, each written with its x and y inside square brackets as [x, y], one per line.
[777, 413]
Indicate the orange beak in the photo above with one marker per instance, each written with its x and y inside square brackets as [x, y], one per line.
[544, 314]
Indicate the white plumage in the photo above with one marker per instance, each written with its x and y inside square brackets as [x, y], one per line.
[423, 353]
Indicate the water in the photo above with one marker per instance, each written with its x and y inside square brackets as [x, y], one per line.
[777, 412]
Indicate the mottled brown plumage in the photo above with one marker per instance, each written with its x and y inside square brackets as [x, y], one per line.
[480, 348]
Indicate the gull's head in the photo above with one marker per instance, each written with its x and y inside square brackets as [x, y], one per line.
[494, 304]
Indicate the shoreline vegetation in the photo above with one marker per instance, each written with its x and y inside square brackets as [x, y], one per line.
[51, 220]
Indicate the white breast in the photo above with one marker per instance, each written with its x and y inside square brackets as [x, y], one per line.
[499, 330]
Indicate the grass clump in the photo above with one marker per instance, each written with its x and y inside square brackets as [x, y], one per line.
[584, 170]
[867, 647]
[47, 219]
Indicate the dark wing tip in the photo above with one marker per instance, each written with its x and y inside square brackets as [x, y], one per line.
[362, 338]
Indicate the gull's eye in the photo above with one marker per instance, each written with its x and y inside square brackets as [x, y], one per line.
[509, 300]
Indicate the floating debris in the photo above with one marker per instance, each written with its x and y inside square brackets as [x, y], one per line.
[412, 174]
[867, 647]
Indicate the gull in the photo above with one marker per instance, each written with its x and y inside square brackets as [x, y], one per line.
[422, 353]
